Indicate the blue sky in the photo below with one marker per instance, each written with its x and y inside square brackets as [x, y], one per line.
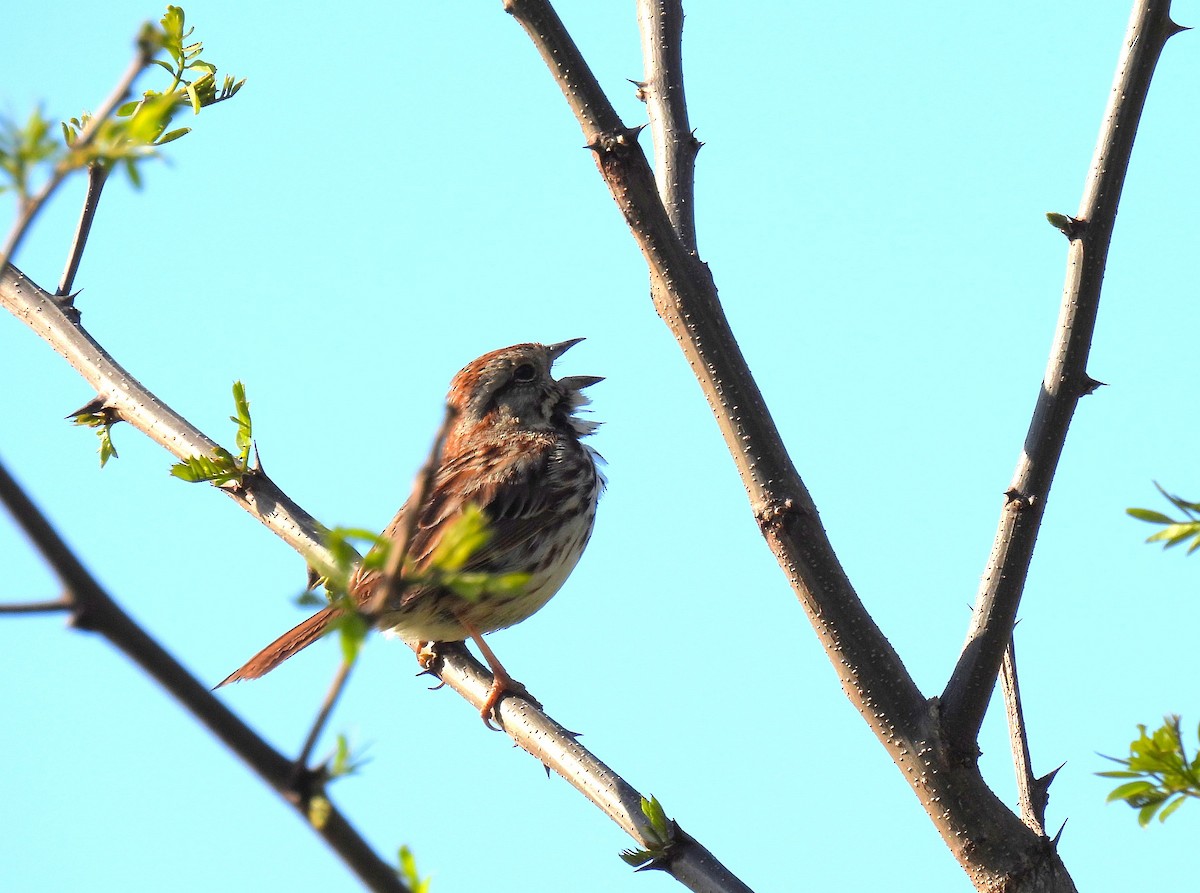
[397, 191]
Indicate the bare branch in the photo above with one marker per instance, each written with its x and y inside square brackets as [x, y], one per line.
[993, 845]
[871, 673]
[300, 764]
[1032, 794]
[970, 686]
[675, 147]
[96, 611]
[390, 579]
[97, 177]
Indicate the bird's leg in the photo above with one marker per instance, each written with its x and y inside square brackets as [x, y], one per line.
[502, 683]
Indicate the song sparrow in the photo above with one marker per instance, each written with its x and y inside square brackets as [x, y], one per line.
[513, 449]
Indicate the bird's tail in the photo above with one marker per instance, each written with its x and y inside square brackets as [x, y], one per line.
[284, 647]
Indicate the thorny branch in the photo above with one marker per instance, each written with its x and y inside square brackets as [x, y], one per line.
[937, 755]
[969, 688]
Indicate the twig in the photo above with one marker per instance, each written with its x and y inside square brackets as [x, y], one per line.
[1032, 793]
[970, 686]
[30, 208]
[96, 611]
[300, 765]
[675, 147]
[97, 177]
[47, 607]
[390, 581]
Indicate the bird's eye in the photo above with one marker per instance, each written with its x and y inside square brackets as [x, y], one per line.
[524, 373]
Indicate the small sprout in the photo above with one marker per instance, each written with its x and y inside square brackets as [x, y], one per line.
[222, 467]
[407, 871]
[1071, 227]
[344, 762]
[319, 810]
[661, 838]
[100, 417]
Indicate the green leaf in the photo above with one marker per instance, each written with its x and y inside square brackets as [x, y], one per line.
[173, 135]
[637, 858]
[241, 418]
[1146, 813]
[1148, 515]
[1131, 789]
[462, 539]
[353, 631]
[1171, 807]
[172, 25]
[657, 817]
[107, 450]
[344, 761]
[408, 872]
[218, 469]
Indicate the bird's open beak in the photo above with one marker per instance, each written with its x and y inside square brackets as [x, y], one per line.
[557, 350]
[578, 382]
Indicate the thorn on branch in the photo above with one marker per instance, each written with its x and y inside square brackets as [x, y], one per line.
[95, 406]
[640, 93]
[614, 141]
[1058, 836]
[1017, 501]
[66, 303]
[1042, 784]
[1071, 227]
[1174, 28]
[1090, 385]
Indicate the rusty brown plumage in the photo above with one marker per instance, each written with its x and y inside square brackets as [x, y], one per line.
[513, 449]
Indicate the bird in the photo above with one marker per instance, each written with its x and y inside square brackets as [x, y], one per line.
[513, 449]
